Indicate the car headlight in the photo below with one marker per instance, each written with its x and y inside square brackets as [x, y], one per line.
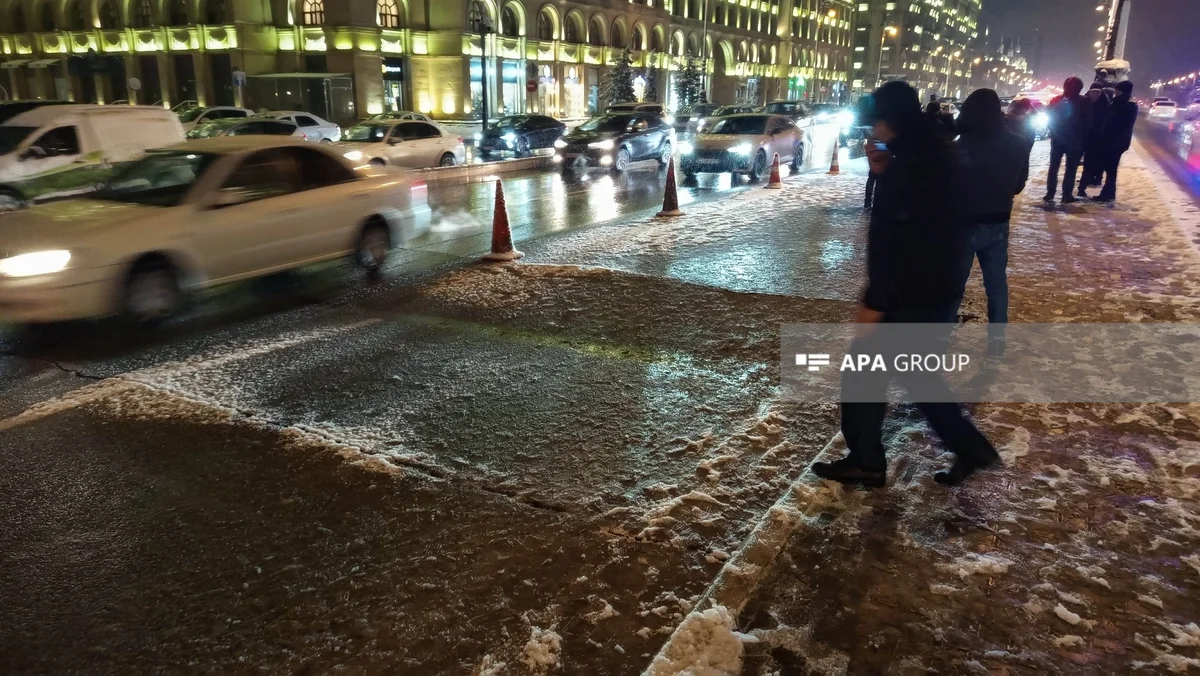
[1041, 121]
[510, 137]
[36, 263]
[669, 119]
[354, 155]
[700, 127]
[846, 119]
[478, 136]
[686, 148]
[606, 144]
[560, 144]
[742, 149]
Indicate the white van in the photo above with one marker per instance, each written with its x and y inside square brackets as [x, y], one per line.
[59, 151]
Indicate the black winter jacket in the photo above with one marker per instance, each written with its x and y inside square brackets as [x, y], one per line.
[1070, 120]
[915, 237]
[995, 169]
[1118, 128]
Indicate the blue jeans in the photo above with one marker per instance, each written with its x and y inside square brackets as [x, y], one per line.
[989, 243]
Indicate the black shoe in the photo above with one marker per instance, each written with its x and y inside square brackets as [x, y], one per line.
[848, 472]
[867, 205]
[1069, 200]
[967, 464]
[1082, 195]
[1103, 198]
[1048, 198]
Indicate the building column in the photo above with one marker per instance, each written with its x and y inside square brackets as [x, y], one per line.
[166, 79]
[204, 92]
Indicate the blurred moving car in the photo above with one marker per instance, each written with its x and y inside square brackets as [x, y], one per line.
[614, 140]
[519, 135]
[402, 143]
[400, 115]
[635, 107]
[689, 118]
[196, 215]
[311, 127]
[1163, 110]
[10, 109]
[744, 144]
[52, 152]
[798, 111]
[192, 117]
[244, 126]
[723, 111]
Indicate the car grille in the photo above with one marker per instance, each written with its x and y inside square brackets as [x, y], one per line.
[711, 154]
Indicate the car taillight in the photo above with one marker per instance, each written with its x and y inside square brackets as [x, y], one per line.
[418, 192]
[460, 140]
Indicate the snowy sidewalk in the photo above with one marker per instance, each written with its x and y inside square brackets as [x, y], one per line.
[1079, 556]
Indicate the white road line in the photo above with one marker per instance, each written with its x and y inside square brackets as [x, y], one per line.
[124, 382]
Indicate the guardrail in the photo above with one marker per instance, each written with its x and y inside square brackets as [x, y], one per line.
[470, 173]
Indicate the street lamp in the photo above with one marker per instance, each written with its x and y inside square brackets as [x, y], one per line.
[481, 23]
[887, 31]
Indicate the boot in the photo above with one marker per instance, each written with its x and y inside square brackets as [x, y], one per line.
[848, 472]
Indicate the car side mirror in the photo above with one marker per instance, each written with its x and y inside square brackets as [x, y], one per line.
[229, 197]
[393, 141]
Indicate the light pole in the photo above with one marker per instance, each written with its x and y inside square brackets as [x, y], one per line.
[888, 30]
[481, 21]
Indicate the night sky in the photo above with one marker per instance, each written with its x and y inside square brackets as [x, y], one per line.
[1162, 37]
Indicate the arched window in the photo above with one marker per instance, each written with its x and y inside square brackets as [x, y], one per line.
[571, 30]
[216, 12]
[143, 13]
[655, 41]
[77, 16]
[314, 13]
[48, 23]
[616, 36]
[510, 23]
[545, 25]
[178, 16]
[389, 14]
[108, 16]
[596, 32]
[18, 20]
[639, 38]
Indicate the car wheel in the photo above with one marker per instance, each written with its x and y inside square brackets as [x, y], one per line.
[326, 140]
[622, 162]
[152, 293]
[664, 158]
[447, 160]
[759, 166]
[378, 162]
[798, 157]
[374, 242]
[10, 201]
[523, 147]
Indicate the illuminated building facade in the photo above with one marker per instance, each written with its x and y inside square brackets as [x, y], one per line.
[926, 43]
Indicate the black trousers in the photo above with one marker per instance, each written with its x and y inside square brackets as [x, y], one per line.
[862, 422]
[1093, 167]
[1057, 151]
[871, 180]
[1112, 160]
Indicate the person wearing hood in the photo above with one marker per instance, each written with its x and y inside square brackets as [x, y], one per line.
[1070, 120]
[995, 170]
[944, 120]
[914, 250]
[1116, 138]
[1093, 153]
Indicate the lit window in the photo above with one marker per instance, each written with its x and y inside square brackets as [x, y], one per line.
[314, 13]
[389, 14]
[143, 14]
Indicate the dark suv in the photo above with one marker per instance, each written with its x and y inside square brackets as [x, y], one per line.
[614, 140]
[520, 135]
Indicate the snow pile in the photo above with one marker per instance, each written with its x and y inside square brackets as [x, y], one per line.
[490, 666]
[976, 564]
[603, 614]
[542, 651]
[704, 645]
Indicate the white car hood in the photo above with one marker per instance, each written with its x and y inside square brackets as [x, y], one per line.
[364, 148]
[69, 223]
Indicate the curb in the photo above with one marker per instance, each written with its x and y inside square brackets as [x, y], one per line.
[472, 173]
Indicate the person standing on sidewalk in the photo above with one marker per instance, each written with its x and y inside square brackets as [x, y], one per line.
[1070, 119]
[914, 248]
[995, 170]
[1093, 154]
[1117, 137]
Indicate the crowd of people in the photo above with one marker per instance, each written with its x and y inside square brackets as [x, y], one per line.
[941, 193]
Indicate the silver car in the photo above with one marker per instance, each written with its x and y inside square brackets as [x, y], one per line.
[743, 144]
[312, 128]
[402, 143]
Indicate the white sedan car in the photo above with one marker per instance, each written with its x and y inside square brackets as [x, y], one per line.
[196, 215]
[402, 143]
[311, 127]
[1163, 110]
[194, 117]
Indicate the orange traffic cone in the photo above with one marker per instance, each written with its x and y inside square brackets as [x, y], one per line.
[671, 197]
[774, 182]
[835, 168]
[502, 243]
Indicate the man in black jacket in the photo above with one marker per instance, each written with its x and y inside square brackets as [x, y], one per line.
[1070, 119]
[1093, 153]
[1117, 137]
[915, 242]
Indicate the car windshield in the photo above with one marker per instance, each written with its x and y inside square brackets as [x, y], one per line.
[725, 110]
[785, 108]
[11, 137]
[1166, 104]
[753, 124]
[366, 133]
[191, 115]
[607, 123]
[208, 130]
[510, 122]
[160, 179]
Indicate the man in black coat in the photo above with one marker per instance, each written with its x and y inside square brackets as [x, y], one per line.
[915, 242]
[1070, 119]
[1093, 152]
[1117, 137]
